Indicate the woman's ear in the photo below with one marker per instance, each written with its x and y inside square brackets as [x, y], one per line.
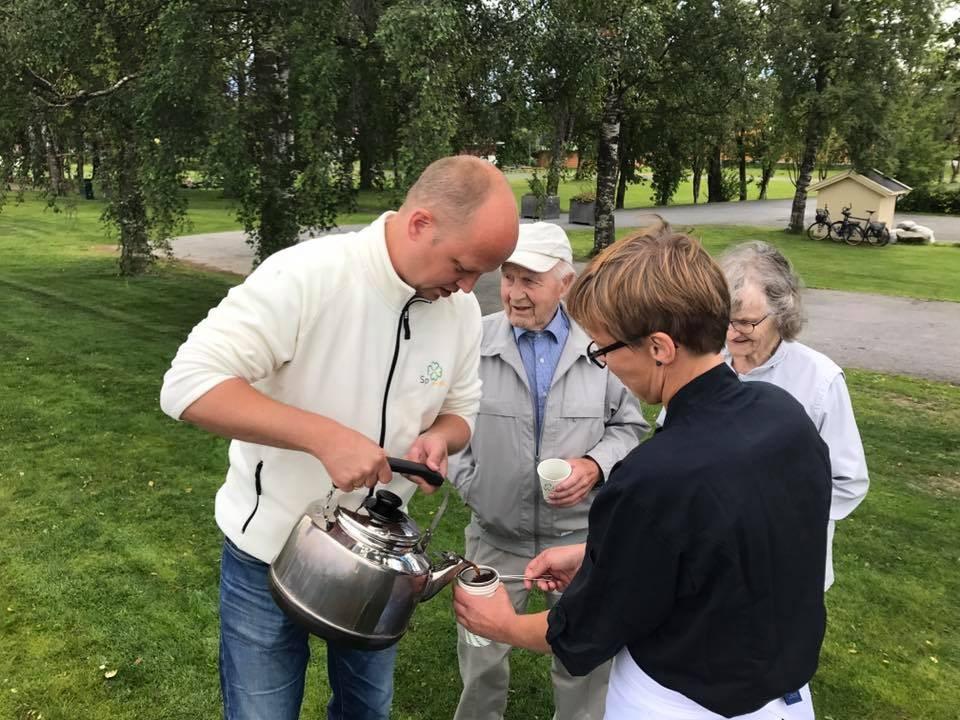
[662, 348]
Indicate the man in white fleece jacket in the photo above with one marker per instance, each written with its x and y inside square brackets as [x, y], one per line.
[331, 356]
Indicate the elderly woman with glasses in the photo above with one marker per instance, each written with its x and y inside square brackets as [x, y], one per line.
[702, 573]
[766, 317]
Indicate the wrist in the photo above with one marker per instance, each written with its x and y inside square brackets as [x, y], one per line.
[600, 478]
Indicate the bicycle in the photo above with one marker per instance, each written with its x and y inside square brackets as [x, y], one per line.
[845, 230]
[820, 228]
[876, 233]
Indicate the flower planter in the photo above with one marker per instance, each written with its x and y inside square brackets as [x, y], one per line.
[529, 207]
[581, 213]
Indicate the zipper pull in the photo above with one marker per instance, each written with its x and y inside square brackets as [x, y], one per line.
[406, 324]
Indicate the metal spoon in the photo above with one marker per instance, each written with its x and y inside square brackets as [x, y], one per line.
[524, 577]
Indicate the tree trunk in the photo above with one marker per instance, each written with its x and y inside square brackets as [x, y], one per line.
[767, 169]
[742, 159]
[715, 176]
[127, 204]
[81, 161]
[813, 136]
[54, 163]
[370, 140]
[954, 170]
[95, 161]
[557, 153]
[697, 175]
[604, 232]
[368, 162]
[37, 157]
[804, 175]
[624, 172]
[271, 126]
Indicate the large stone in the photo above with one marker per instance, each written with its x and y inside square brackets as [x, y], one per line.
[908, 231]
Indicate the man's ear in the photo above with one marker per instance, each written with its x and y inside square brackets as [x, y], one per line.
[421, 225]
[566, 284]
[663, 348]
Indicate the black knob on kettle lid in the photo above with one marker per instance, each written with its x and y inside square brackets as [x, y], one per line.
[384, 506]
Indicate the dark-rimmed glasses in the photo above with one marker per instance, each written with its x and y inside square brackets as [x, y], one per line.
[596, 353]
[745, 327]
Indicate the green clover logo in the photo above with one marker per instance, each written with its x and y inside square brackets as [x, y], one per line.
[434, 371]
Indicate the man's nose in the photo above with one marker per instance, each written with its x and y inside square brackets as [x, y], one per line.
[467, 283]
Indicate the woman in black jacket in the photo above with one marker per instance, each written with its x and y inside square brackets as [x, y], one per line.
[702, 574]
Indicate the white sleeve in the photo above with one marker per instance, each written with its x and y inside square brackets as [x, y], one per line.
[249, 335]
[838, 428]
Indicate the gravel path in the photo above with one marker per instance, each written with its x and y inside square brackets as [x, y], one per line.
[857, 330]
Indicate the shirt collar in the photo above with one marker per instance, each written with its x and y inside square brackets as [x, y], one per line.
[379, 266]
[558, 327]
[779, 355]
[714, 385]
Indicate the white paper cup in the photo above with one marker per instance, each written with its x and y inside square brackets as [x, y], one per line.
[552, 472]
[485, 589]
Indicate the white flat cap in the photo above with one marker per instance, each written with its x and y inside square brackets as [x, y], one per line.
[540, 245]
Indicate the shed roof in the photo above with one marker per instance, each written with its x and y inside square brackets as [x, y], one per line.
[873, 179]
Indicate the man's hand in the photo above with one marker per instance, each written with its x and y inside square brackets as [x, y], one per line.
[428, 449]
[353, 460]
[490, 617]
[560, 562]
[576, 487]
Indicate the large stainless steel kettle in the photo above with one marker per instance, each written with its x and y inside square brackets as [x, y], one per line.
[356, 576]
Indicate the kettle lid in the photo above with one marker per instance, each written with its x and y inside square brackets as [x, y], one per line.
[383, 523]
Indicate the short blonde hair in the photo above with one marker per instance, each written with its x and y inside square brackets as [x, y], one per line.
[453, 187]
[655, 281]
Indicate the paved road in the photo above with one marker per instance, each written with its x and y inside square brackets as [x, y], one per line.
[874, 332]
[765, 213]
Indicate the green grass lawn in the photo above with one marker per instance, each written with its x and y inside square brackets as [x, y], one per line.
[929, 272]
[639, 195]
[210, 212]
[109, 550]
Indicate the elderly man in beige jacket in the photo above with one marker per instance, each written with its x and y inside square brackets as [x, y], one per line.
[542, 398]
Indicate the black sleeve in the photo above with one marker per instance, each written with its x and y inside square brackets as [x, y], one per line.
[625, 587]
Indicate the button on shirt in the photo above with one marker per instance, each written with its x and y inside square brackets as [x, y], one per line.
[540, 352]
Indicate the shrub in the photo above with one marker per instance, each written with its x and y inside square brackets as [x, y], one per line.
[932, 199]
[587, 196]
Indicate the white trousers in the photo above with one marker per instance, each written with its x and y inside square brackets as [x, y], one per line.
[633, 694]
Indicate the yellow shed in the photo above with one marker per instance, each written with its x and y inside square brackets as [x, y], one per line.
[861, 193]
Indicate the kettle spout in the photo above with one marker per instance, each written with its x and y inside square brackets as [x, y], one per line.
[442, 574]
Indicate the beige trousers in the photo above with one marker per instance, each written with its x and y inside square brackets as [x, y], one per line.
[485, 671]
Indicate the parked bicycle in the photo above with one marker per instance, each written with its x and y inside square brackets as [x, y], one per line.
[820, 228]
[849, 230]
[875, 233]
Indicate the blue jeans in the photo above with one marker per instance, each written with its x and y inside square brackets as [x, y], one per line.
[264, 654]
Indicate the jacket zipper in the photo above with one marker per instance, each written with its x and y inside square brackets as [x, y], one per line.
[403, 325]
[259, 487]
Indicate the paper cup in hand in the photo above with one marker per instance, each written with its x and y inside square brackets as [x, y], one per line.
[552, 472]
[486, 587]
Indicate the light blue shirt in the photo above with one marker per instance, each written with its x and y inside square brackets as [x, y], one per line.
[540, 352]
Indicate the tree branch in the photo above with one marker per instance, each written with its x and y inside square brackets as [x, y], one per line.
[58, 100]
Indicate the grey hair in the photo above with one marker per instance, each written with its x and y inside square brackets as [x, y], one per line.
[762, 265]
[562, 269]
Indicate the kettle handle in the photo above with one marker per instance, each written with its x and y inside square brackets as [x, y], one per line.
[408, 467]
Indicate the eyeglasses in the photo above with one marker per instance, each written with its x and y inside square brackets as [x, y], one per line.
[746, 327]
[595, 353]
